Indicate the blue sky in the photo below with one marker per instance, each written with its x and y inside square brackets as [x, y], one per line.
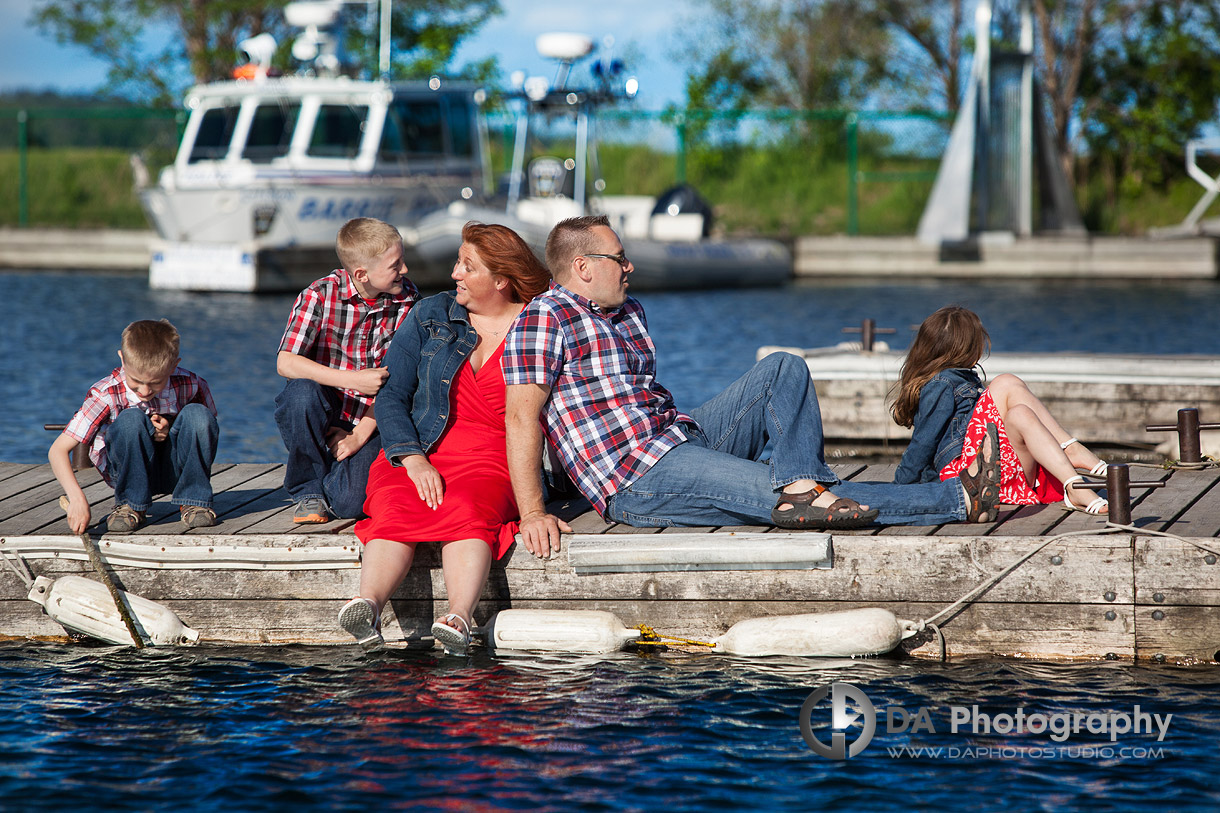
[641, 28]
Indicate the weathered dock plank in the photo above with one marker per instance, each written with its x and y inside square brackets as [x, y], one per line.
[1114, 594]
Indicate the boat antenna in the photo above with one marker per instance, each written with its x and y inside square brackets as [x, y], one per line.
[565, 49]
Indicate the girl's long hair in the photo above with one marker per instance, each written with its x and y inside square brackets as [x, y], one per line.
[952, 337]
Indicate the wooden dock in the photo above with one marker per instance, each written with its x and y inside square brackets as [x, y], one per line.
[1104, 399]
[1003, 257]
[256, 578]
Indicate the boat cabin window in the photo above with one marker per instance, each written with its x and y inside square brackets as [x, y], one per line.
[337, 131]
[214, 134]
[427, 128]
[460, 135]
[270, 132]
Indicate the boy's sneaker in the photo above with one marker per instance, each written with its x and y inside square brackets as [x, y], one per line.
[360, 618]
[312, 510]
[124, 520]
[198, 516]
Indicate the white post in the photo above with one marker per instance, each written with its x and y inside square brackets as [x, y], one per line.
[383, 52]
[1025, 184]
[582, 157]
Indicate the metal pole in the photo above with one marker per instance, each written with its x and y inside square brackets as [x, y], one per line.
[23, 192]
[582, 158]
[383, 52]
[982, 136]
[681, 168]
[853, 171]
[1025, 186]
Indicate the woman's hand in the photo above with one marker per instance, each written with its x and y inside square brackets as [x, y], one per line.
[427, 479]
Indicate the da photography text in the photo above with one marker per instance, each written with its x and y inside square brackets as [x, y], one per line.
[854, 721]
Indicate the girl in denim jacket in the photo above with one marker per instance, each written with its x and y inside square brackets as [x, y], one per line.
[943, 400]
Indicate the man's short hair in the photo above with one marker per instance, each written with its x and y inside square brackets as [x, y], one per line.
[150, 347]
[569, 239]
[362, 240]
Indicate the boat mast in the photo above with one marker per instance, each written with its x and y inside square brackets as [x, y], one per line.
[383, 50]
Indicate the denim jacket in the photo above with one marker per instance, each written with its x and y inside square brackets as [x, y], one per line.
[946, 403]
[429, 348]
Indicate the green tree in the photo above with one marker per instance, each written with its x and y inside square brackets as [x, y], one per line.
[155, 47]
[800, 54]
[927, 62]
[1149, 86]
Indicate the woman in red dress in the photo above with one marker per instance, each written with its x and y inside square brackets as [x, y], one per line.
[442, 475]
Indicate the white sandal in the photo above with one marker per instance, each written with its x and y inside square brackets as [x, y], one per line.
[1097, 471]
[456, 641]
[1093, 507]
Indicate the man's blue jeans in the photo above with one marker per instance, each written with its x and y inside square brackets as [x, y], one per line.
[304, 411]
[715, 478]
[139, 466]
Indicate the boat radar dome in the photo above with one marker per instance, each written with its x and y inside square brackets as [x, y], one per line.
[316, 13]
[564, 47]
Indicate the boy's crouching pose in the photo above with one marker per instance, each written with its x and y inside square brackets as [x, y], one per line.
[149, 427]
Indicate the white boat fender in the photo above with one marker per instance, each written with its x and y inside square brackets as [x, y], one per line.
[848, 633]
[586, 631]
[84, 606]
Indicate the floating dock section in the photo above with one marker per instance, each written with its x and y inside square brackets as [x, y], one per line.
[255, 578]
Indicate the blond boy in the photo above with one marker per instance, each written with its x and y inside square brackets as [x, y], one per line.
[149, 427]
[331, 354]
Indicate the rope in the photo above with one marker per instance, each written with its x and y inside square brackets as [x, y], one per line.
[1177, 465]
[95, 557]
[1111, 528]
[650, 637]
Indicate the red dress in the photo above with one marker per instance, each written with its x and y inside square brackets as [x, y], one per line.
[478, 500]
[1014, 488]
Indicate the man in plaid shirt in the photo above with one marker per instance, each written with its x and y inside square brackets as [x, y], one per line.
[150, 426]
[579, 356]
[331, 354]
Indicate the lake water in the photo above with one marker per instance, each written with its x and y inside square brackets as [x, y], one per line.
[306, 728]
[332, 728]
[62, 333]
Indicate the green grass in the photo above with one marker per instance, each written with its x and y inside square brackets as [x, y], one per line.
[778, 190]
[72, 188]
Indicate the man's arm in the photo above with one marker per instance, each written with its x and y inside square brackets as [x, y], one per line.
[368, 382]
[540, 531]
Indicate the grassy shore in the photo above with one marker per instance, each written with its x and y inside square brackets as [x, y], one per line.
[778, 191]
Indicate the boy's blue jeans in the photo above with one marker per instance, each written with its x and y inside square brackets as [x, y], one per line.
[139, 466]
[304, 411]
[715, 478]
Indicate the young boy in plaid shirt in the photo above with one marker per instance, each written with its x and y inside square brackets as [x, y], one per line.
[149, 427]
[331, 354]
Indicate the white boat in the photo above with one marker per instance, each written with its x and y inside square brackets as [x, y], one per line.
[269, 169]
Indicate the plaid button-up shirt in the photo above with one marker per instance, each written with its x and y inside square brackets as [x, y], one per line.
[110, 396]
[607, 416]
[333, 325]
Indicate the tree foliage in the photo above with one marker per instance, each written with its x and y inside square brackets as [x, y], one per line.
[155, 48]
[1150, 84]
[797, 53]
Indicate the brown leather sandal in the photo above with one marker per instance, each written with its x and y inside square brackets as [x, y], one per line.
[841, 515]
[983, 487]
